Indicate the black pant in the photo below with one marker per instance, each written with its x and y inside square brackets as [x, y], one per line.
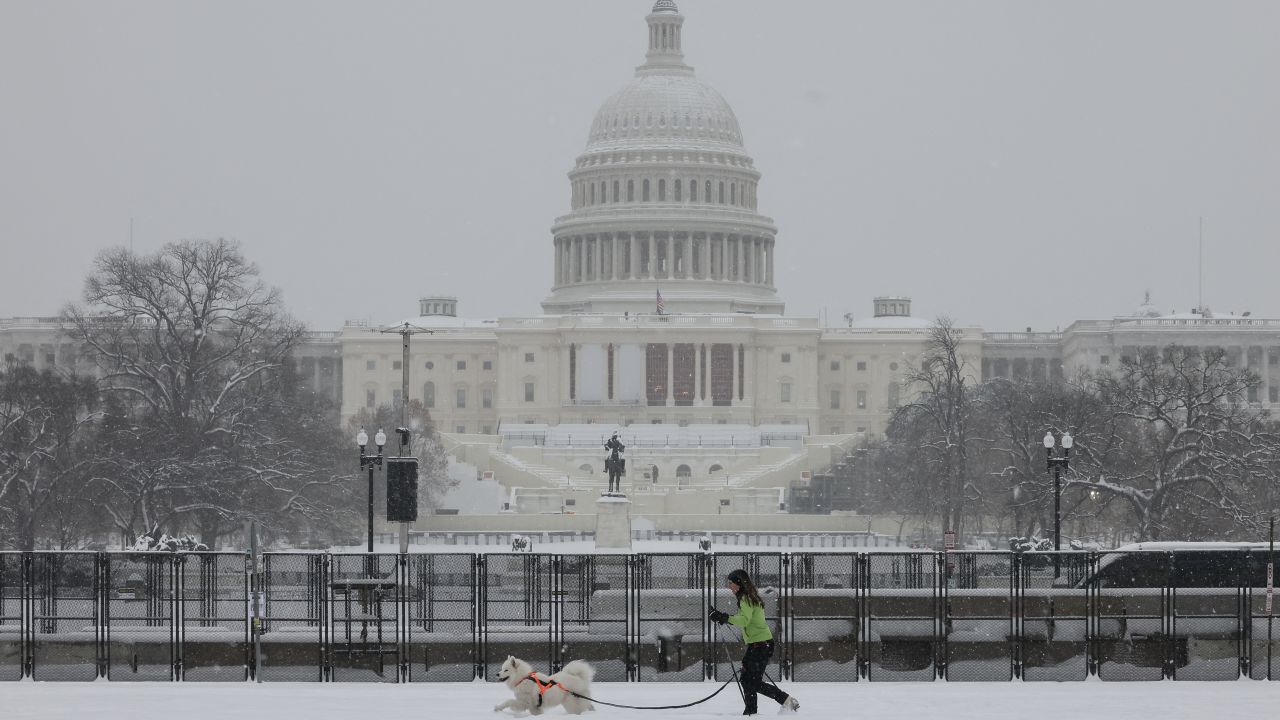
[754, 662]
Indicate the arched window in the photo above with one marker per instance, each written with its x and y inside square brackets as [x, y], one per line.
[429, 395]
[678, 197]
[593, 193]
[706, 196]
[684, 471]
[662, 191]
[644, 191]
[715, 469]
[604, 186]
[733, 193]
[722, 193]
[586, 469]
[693, 191]
[631, 191]
[616, 196]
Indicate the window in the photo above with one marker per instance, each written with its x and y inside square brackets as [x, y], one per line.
[395, 398]
[662, 191]
[1274, 392]
[835, 364]
[370, 399]
[462, 364]
[837, 429]
[786, 357]
[785, 392]
[528, 357]
[1105, 360]
[893, 395]
[862, 366]
[462, 397]
[488, 430]
[616, 196]
[862, 428]
[429, 395]
[430, 365]
[528, 392]
[395, 364]
[644, 191]
[862, 399]
[679, 192]
[486, 398]
[893, 366]
[706, 196]
[835, 399]
[631, 190]
[721, 193]
[370, 364]
[460, 429]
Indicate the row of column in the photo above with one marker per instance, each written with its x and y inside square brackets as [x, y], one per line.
[662, 256]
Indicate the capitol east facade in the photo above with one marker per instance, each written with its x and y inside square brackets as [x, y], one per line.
[663, 322]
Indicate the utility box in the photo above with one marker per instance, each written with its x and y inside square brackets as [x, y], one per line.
[402, 489]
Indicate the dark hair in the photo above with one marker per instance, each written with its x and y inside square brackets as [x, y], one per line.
[746, 588]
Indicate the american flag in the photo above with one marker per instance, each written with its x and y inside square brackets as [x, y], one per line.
[660, 301]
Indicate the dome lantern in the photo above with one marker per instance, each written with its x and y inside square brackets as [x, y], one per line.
[665, 53]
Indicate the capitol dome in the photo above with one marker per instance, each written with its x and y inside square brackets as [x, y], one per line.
[669, 109]
[663, 199]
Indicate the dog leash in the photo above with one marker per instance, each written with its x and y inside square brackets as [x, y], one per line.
[655, 707]
[733, 679]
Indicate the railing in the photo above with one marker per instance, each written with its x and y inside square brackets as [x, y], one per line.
[455, 617]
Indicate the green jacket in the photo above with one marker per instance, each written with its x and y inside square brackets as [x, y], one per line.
[751, 619]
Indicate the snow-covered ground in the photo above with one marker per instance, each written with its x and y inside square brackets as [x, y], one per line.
[475, 701]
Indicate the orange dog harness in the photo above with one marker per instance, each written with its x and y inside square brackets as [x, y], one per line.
[544, 687]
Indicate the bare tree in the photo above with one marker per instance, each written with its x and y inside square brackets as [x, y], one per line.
[1188, 454]
[943, 414]
[192, 347]
[46, 430]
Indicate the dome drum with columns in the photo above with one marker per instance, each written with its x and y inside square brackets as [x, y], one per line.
[664, 199]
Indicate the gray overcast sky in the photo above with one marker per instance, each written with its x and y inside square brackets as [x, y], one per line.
[1010, 164]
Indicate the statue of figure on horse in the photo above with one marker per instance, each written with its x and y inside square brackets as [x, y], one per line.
[614, 464]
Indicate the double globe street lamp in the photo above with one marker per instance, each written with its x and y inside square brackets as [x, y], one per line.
[1057, 463]
[370, 462]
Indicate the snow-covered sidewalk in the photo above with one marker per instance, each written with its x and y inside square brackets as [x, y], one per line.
[475, 701]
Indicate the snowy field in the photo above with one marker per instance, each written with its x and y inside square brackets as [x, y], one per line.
[475, 701]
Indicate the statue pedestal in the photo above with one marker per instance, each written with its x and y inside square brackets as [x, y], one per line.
[613, 522]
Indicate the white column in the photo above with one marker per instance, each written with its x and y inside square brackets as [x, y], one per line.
[558, 266]
[671, 357]
[769, 260]
[633, 248]
[697, 374]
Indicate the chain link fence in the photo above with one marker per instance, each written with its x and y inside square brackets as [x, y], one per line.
[842, 617]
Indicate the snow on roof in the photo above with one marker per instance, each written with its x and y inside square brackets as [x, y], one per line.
[891, 322]
[445, 321]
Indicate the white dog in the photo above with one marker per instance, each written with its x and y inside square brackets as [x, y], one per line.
[535, 692]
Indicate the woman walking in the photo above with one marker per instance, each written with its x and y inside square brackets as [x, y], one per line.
[759, 640]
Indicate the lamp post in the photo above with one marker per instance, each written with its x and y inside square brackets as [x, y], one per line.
[1057, 464]
[369, 462]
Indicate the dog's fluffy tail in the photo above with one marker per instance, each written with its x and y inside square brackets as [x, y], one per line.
[579, 669]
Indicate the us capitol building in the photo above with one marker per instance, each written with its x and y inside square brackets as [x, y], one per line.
[726, 404]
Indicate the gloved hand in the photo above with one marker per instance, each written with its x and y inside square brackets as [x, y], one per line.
[718, 617]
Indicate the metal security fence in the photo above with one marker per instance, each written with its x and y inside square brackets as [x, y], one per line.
[958, 616]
